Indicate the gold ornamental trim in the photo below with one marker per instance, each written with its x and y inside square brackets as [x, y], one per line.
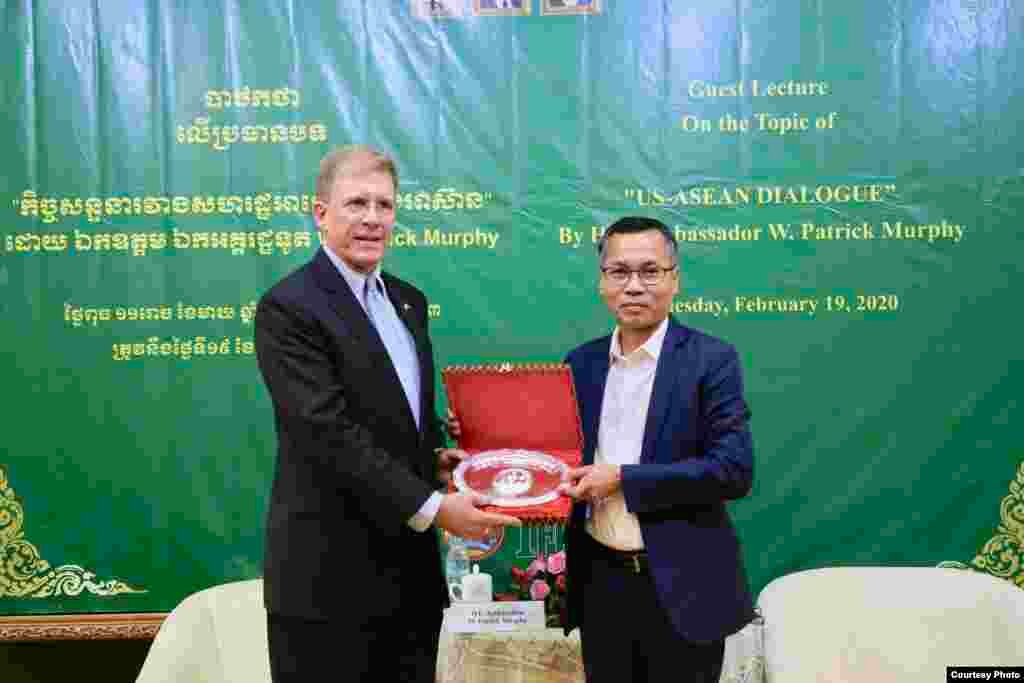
[23, 571]
[1003, 554]
[508, 368]
[81, 627]
[503, 368]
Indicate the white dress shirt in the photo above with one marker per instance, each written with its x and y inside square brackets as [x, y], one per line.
[627, 396]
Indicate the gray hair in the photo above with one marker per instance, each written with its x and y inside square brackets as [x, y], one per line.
[352, 158]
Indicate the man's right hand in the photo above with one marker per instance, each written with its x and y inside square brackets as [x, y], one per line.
[460, 514]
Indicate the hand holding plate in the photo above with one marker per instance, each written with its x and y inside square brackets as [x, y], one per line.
[453, 426]
[592, 483]
[460, 515]
[447, 460]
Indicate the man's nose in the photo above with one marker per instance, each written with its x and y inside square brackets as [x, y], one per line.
[634, 285]
[371, 213]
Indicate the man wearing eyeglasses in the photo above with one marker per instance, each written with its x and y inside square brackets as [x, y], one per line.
[655, 573]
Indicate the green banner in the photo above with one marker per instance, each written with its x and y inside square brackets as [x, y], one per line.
[844, 179]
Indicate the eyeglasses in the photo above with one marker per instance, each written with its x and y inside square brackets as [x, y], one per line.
[649, 275]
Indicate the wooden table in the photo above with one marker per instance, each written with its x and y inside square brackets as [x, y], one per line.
[547, 656]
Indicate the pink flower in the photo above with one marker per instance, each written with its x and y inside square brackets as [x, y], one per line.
[560, 582]
[519, 576]
[539, 590]
[538, 565]
[556, 562]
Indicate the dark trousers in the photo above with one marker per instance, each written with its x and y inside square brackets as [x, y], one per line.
[399, 648]
[627, 636]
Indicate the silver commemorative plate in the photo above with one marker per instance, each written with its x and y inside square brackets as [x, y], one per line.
[511, 477]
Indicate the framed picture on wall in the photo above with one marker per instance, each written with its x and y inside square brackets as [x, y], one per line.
[437, 9]
[570, 6]
[501, 7]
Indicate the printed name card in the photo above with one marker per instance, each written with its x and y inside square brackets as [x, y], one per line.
[481, 617]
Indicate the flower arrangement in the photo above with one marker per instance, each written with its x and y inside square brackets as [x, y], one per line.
[544, 579]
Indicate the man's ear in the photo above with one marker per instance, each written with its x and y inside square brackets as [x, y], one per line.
[319, 212]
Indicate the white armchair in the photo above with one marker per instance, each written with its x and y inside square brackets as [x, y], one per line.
[888, 624]
[216, 635]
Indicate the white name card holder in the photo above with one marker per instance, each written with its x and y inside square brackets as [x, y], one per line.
[485, 617]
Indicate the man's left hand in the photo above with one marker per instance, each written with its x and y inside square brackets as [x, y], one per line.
[447, 460]
[453, 425]
[592, 483]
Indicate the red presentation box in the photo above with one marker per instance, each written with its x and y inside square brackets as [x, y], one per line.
[507, 414]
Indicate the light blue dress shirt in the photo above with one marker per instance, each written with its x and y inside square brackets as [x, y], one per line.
[401, 348]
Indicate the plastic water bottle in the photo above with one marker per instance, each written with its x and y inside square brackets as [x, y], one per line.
[456, 565]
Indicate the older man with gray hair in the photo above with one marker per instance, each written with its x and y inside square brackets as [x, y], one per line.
[352, 575]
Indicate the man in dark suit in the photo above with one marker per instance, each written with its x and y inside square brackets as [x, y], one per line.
[655, 574]
[352, 572]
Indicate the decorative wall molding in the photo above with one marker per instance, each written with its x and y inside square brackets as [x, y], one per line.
[81, 627]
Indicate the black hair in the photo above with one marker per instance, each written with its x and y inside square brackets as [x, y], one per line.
[631, 224]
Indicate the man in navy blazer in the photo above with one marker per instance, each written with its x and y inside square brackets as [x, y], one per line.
[655, 574]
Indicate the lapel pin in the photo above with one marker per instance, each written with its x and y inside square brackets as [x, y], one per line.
[406, 307]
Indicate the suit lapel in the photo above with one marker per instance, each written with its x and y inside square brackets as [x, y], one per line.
[408, 315]
[343, 302]
[598, 378]
[665, 383]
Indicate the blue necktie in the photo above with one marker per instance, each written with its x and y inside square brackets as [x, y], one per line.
[397, 340]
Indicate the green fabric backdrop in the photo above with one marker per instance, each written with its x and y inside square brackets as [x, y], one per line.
[158, 160]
